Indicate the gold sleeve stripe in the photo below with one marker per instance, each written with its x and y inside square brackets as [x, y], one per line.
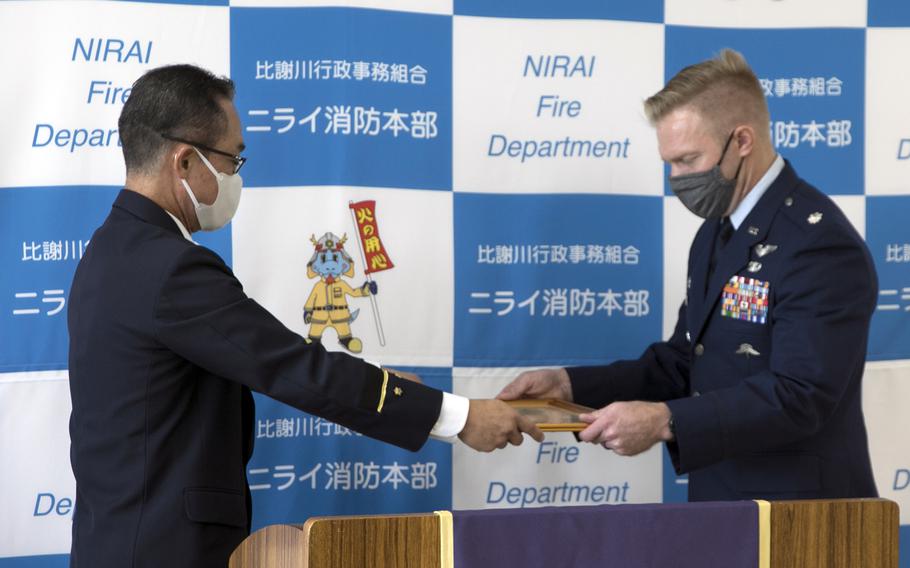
[764, 533]
[385, 385]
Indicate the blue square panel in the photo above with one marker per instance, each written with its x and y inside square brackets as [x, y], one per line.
[338, 96]
[641, 11]
[889, 243]
[47, 241]
[676, 487]
[889, 13]
[305, 466]
[814, 81]
[556, 279]
[48, 561]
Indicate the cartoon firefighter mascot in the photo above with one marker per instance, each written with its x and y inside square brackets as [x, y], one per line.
[327, 305]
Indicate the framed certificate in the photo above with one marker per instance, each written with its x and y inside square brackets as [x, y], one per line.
[552, 415]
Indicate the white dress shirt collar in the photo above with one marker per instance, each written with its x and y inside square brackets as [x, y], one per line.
[183, 231]
[745, 207]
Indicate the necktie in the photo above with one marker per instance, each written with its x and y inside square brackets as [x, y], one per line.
[724, 232]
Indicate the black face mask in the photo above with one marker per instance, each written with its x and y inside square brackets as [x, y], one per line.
[707, 194]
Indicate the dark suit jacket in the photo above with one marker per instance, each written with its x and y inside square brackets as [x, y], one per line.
[765, 410]
[164, 349]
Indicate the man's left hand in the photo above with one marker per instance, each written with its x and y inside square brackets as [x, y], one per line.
[627, 428]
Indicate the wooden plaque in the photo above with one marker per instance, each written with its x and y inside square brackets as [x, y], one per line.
[552, 415]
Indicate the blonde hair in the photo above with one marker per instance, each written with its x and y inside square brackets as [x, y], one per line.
[724, 90]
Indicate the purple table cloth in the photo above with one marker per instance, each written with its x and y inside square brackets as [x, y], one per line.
[697, 535]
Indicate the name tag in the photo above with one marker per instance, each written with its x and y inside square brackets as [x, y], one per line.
[746, 299]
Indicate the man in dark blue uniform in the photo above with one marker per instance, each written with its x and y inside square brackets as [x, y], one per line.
[165, 348]
[758, 391]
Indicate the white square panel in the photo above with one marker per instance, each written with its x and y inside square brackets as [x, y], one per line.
[271, 247]
[38, 493]
[854, 207]
[558, 472]
[886, 390]
[766, 13]
[549, 106]
[63, 96]
[887, 112]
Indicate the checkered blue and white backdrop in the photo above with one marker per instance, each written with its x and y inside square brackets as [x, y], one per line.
[518, 192]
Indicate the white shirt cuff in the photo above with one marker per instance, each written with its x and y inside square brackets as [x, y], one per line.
[452, 417]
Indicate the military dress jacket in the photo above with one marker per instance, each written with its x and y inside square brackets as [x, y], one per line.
[763, 372]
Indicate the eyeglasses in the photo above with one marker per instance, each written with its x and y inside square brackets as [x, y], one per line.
[238, 160]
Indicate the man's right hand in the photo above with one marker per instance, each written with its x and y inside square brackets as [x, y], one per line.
[541, 383]
[492, 424]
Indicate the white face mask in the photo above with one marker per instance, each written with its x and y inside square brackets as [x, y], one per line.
[219, 213]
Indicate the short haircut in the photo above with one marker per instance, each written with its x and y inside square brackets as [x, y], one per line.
[724, 90]
[175, 100]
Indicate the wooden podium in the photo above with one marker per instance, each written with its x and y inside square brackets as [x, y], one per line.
[846, 533]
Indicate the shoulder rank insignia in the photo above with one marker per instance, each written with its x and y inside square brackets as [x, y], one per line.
[814, 218]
